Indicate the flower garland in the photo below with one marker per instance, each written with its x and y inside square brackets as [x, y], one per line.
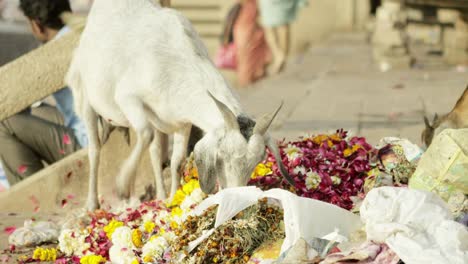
[331, 168]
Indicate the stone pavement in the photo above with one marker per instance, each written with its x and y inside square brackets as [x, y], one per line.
[336, 85]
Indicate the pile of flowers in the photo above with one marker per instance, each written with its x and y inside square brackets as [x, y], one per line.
[135, 235]
[331, 168]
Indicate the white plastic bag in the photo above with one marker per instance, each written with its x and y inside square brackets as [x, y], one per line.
[304, 218]
[34, 233]
[417, 225]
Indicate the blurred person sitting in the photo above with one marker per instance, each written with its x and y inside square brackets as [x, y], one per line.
[42, 132]
[276, 17]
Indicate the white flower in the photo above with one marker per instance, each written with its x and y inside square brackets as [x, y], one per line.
[163, 216]
[292, 152]
[121, 255]
[312, 180]
[148, 217]
[72, 242]
[197, 195]
[169, 236]
[122, 238]
[187, 203]
[155, 248]
[300, 169]
[336, 180]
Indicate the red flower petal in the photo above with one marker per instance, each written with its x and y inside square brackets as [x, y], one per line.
[22, 169]
[9, 229]
[66, 139]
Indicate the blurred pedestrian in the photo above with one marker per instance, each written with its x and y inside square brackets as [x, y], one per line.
[276, 17]
[253, 54]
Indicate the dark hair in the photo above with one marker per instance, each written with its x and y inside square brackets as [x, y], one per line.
[46, 12]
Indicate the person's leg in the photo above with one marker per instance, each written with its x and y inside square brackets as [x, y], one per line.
[18, 160]
[278, 39]
[49, 113]
[27, 139]
[284, 39]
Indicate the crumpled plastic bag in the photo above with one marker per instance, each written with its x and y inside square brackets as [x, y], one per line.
[417, 225]
[443, 169]
[411, 151]
[34, 233]
[304, 218]
[368, 253]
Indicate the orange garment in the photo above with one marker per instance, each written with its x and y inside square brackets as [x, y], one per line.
[253, 53]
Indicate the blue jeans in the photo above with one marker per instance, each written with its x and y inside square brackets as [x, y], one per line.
[65, 105]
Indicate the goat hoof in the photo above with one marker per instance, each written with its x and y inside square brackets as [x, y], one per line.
[123, 194]
[92, 206]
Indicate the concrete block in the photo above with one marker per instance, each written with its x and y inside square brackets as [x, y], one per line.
[424, 33]
[455, 39]
[445, 15]
[391, 5]
[390, 38]
[457, 59]
[414, 14]
[390, 16]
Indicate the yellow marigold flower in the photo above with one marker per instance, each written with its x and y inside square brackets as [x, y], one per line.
[330, 143]
[178, 198]
[350, 151]
[110, 228]
[136, 238]
[162, 231]
[215, 260]
[356, 147]
[174, 225]
[45, 254]
[153, 237]
[176, 211]
[92, 259]
[347, 152]
[149, 226]
[148, 259]
[194, 172]
[135, 261]
[261, 170]
[319, 139]
[190, 186]
[335, 137]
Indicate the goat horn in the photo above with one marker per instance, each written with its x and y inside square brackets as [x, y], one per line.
[228, 115]
[265, 122]
[276, 153]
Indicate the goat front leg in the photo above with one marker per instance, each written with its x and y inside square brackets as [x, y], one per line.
[179, 152]
[133, 109]
[158, 153]
[94, 151]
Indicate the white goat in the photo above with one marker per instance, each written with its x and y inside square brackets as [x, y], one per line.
[142, 66]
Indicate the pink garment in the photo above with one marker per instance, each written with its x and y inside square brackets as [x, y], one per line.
[253, 53]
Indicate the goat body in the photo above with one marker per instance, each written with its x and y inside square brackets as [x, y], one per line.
[457, 118]
[142, 66]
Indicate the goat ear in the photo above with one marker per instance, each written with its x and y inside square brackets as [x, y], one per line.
[206, 166]
[436, 117]
[426, 122]
[265, 122]
[228, 115]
